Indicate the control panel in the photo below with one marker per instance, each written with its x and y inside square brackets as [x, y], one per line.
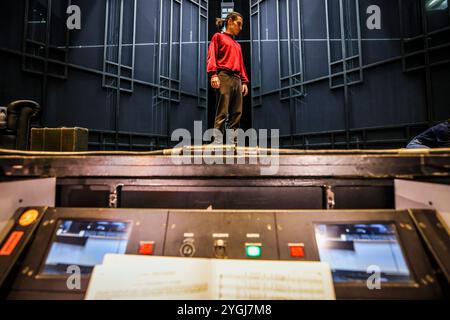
[45, 245]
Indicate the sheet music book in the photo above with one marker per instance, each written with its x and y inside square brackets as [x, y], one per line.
[125, 277]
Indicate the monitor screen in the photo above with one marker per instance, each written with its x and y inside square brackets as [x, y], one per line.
[84, 243]
[357, 251]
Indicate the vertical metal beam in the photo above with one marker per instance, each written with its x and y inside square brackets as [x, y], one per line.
[292, 113]
[47, 50]
[259, 50]
[161, 8]
[358, 25]
[278, 42]
[288, 22]
[105, 45]
[170, 44]
[300, 40]
[155, 76]
[199, 48]
[180, 50]
[428, 79]
[160, 30]
[25, 32]
[134, 44]
[255, 48]
[119, 75]
[328, 42]
[344, 57]
[66, 52]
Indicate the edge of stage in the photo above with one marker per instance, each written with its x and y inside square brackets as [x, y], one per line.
[228, 161]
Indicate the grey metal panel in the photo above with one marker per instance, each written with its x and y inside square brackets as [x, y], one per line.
[30, 84]
[386, 98]
[7, 10]
[321, 109]
[189, 70]
[269, 72]
[183, 115]
[91, 19]
[140, 103]
[441, 91]
[92, 109]
[203, 226]
[376, 51]
[313, 20]
[437, 19]
[273, 114]
[90, 57]
[268, 17]
[190, 19]
[316, 57]
[411, 13]
[147, 19]
[145, 66]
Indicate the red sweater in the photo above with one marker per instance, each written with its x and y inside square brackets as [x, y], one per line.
[225, 53]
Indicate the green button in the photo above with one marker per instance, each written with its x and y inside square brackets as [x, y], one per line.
[253, 251]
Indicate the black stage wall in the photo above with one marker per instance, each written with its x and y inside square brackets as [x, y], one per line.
[328, 81]
[318, 73]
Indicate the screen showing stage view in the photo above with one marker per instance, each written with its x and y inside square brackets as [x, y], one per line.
[84, 243]
[351, 249]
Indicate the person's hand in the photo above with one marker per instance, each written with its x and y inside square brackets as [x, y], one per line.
[244, 90]
[215, 82]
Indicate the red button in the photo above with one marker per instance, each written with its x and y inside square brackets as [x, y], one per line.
[146, 248]
[11, 243]
[297, 251]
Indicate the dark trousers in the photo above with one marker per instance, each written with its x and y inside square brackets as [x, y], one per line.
[229, 102]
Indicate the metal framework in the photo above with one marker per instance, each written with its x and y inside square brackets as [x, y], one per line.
[104, 140]
[421, 52]
[255, 32]
[202, 87]
[291, 59]
[361, 138]
[116, 73]
[168, 78]
[341, 71]
[39, 55]
[424, 51]
[346, 68]
[291, 82]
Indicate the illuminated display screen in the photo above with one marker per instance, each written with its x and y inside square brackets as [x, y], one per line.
[351, 249]
[84, 243]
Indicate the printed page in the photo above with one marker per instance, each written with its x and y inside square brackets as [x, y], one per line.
[124, 277]
[271, 280]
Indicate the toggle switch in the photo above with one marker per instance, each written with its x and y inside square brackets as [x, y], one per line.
[220, 249]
